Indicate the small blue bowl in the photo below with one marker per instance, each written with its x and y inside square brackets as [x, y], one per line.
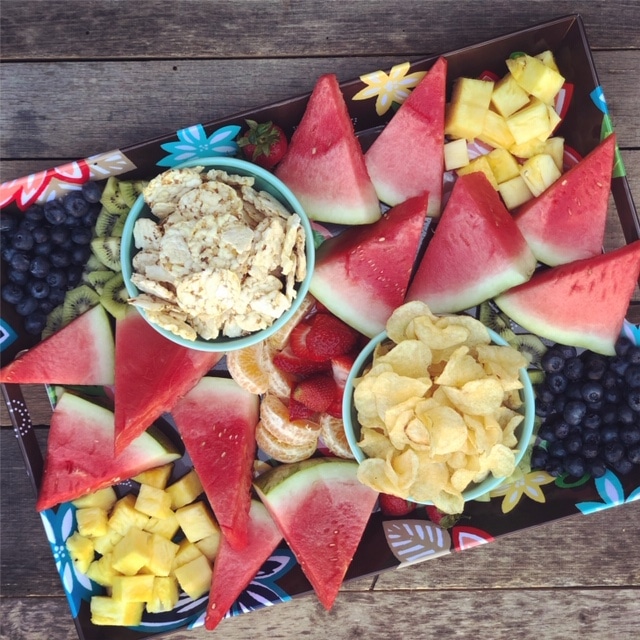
[523, 432]
[264, 181]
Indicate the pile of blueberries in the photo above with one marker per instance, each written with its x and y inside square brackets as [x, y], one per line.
[44, 251]
[590, 410]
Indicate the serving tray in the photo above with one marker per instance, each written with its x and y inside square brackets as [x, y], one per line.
[527, 499]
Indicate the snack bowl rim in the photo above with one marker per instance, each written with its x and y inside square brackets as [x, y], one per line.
[264, 180]
[524, 431]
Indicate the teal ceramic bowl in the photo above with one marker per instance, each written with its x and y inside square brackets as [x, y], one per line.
[264, 181]
[473, 491]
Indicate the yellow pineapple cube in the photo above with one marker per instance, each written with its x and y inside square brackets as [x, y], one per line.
[508, 96]
[187, 551]
[528, 149]
[496, 132]
[163, 553]
[103, 498]
[503, 165]
[125, 516]
[547, 58]
[137, 588]
[196, 521]
[166, 527]
[554, 120]
[164, 596]
[104, 544]
[194, 577]
[535, 77]
[111, 612]
[530, 122]
[185, 490]
[514, 192]
[156, 477]
[153, 502]
[92, 521]
[102, 571]
[555, 148]
[469, 104]
[539, 172]
[210, 545]
[456, 154]
[81, 550]
[132, 552]
[480, 164]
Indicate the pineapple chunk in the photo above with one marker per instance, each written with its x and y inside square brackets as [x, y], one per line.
[92, 522]
[164, 596]
[530, 122]
[514, 192]
[108, 611]
[156, 477]
[539, 172]
[153, 502]
[163, 553]
[496, 132]
[102, 571]
[503, 165]
[480, 164]
[133, 588]
[196, 521]
[456, 154]
[508, 96]
[81, 550]
[132, 552]
[104, 544]
[185, 490]
[528, 149]
[187, 551]
[166, 527]
[555, 148]
[210, 545]
[103, 498]
[554, 119]
[194, 577]
[468, 107]
[547, 58]
[125, 515]
[535, 77]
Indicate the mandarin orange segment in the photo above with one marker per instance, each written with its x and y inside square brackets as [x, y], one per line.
[333, 435]
[247, 368]
[281, 451]
[279, 382]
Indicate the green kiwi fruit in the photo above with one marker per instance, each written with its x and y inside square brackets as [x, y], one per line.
[112, 198]
[93, 264]
[536, 376]
[98, 279]
[114, 297]
[107, 250]
[106, 223]
[139, 185]
[54, 322]
[492, 318]
[530, 346]
[128, 192]
[77, 301]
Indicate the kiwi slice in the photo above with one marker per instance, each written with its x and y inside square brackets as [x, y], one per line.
[530, 346]
[77, 301]
[139, 185]
[106, 223]
[54, 322]
[114, 297]
[97, 279]
[107, 250]
[112, 198]
[128, 192]
[536, 376]
[492, 318]
[93, 264]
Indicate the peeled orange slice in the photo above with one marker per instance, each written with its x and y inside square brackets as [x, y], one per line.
[280, 383]
[247, 368]
[274, 415]
[281, 451]
[333, 435]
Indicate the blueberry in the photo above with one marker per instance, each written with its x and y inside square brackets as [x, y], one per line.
[27, 225]
[591, 437]
[592, 391]
[633, 454]
[7, 252]
[633, 355]
[613, 451]
[618, 365]
[575, 466]
[589, 450]
[565, 350]
[75, 204]
[57, 278]
[45, 306]
[561, 429]
[595, 367]
[22, 240]
[609, 414]
[42, 248]
[27, 305]
[54, 212]
[56, 295]
[89, 219]
[543, 409]
[539, 458]
[574, 412]
[554, 467]
[81, 235]
[12, 293]
[8, 222]
[547, 432]
[592, 420]
[623, 345]
[60, 235]
[552, 360]
[34, 212]
[39, 267]
[556, 382]
[20, 261]
[18, 277]
[633, 399]
[41, 234]
[38, 288]
[596, 467]
[35, 323]
[609, 379]
[80, 254]
[623, 466]
[574, 390]
[557, 449]
[573, 368]
[91, 191]
[60, 258]
[74, 274]
[612, 396]
[626, 415]
[544, 393]
[573, 444]
[632, 376]
[630, 434]
[609, 433]
[559, 403]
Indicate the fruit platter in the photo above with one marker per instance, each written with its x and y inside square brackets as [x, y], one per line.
[460, 193]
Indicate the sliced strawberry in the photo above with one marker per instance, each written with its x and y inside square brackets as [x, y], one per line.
[299, 411]
[330, 337]
[298, 340]
[335, 408]
[394, 506]
[289, 362]
[315, 392]
[341, 366]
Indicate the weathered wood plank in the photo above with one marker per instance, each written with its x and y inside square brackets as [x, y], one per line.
[33, 30]
[73, 110]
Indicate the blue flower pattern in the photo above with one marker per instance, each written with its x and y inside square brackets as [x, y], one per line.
[193, 143]
[612, 493]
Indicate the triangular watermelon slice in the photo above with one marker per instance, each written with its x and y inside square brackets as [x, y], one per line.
[567, 221]
[322, 510]
[233, 570]
[152, 373]
[217, 421]
[582, 303]
[407, 158]
[81, 353]
[324, 164]
[362, 274]
[476, 252]
[80, 457]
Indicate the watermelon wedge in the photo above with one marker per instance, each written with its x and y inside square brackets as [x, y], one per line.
[217, 421]
[407, 158]
[233, 570]
[362, 274]
[476, 252]
[80, 456]
[324, 164]
[322, 510]
[567, 221]
[152, 373]
[81, 353]
[582, 303]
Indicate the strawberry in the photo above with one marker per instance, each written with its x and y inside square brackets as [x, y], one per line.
[298, 411]
[330, 337]
[340, 368]
[265, 143]
[298, 340]
[394, 506]
[315, 392]
[289, 362]
[445, 520]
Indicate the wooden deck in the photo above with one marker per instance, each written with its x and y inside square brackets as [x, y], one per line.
[81, 77]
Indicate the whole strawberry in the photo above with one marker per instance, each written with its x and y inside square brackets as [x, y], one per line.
[264, 143]
[445, 520]
[394, 506]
